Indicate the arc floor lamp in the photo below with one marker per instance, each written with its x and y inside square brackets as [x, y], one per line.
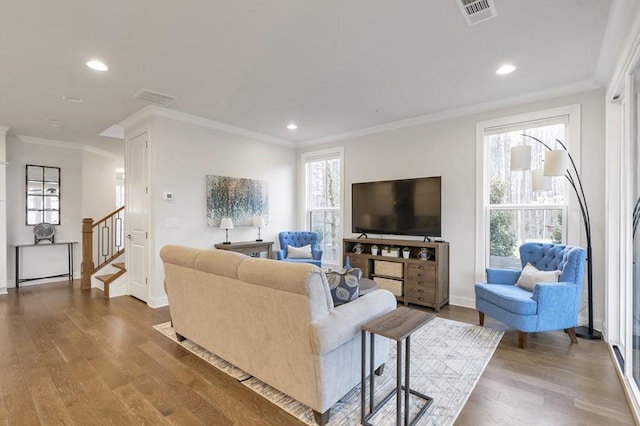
[556, 163]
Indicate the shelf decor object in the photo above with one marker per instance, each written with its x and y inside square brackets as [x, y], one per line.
[44, 232]
[226, 223]
[556, 163]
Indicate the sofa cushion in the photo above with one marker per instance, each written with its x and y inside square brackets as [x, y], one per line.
[509, 297]
[344, 284]
[531, 275]
[303, 252]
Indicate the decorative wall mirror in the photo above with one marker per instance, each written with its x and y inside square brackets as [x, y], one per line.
[42, 195]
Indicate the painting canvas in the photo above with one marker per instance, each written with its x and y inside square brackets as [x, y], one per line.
[238, 198]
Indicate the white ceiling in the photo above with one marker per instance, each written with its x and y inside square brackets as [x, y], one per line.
[331, 66]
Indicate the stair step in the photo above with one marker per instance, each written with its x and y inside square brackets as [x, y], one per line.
[105, 278]
[109, 278]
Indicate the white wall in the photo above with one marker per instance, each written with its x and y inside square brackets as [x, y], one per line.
[38, 261]
[447, 148]
[182, 155]
[99, 184]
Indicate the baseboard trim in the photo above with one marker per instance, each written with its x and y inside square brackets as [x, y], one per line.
[158, 302]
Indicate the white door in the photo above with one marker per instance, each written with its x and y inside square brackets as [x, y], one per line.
[137, 216]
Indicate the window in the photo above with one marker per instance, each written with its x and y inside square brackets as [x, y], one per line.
[323, 201]
[521, 206]
[119, 187]
[42, 194]
[518, 211]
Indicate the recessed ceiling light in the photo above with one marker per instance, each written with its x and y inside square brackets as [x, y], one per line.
[97, 65]
[72, 99]
[292, 126]
[505, 69]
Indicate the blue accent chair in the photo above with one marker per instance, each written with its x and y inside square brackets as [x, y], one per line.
[299, 239]
[551, 305]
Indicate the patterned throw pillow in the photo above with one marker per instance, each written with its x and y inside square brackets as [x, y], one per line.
[344, 284]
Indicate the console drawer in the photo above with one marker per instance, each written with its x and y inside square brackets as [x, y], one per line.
[421, 273]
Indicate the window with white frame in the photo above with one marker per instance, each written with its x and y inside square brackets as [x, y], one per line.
[323, 201]
[518, 206]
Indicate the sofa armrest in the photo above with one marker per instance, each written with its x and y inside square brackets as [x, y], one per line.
[502, 276]
[280, 255]
[345, 322]
[317, 254]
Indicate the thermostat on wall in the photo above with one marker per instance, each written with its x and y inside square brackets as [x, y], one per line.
[168, 196]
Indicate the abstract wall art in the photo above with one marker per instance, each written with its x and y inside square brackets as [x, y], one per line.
[238, 198]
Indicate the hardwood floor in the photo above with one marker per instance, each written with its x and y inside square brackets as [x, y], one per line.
[71, 357]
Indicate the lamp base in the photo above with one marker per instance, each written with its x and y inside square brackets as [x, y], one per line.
[583, 332]
[227, 242]
[258, 240]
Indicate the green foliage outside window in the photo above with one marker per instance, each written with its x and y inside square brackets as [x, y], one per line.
[503, 238]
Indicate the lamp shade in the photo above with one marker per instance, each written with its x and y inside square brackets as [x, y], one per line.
[540, 182]
[226, 223]
[258, 222]
[521, 157]
[556, 163]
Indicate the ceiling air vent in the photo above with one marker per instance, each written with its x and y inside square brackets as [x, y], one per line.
[476, 11]
[154, 97]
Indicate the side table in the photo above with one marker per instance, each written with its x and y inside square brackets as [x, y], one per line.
[70, 263]
[251, 248]
[396, 325]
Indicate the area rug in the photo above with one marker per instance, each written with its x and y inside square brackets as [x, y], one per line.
[447, 360]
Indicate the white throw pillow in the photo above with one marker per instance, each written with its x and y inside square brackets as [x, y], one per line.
[303, 252]
[531, 275]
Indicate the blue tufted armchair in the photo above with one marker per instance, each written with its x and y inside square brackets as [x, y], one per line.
[299, 239]
[550, 306]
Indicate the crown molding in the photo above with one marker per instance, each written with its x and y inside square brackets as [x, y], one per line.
[155, 111]
[48, 142]
[67, 145]
[98, 151]
[581, 86]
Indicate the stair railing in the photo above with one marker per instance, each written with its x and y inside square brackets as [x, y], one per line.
[102, 241]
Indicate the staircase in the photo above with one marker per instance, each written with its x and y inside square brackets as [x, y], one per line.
[107, 279]
[103, 250]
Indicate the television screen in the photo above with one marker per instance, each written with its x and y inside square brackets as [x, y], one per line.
[401, 207]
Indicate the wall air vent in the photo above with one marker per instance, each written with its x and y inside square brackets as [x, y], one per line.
[156, 98]
[476, 11]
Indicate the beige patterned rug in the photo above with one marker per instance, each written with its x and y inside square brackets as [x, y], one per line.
[447, 359]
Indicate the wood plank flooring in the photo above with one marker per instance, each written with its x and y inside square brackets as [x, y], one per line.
[71, 357]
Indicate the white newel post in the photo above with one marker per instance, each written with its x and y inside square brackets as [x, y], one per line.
[3, 209]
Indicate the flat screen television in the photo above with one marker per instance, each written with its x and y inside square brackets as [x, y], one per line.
[400, 207]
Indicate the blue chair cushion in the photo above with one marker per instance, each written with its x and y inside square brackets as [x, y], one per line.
[508, 297]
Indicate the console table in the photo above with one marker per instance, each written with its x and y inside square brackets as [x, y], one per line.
[251, 248]
[69, 272]
[396, 325]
